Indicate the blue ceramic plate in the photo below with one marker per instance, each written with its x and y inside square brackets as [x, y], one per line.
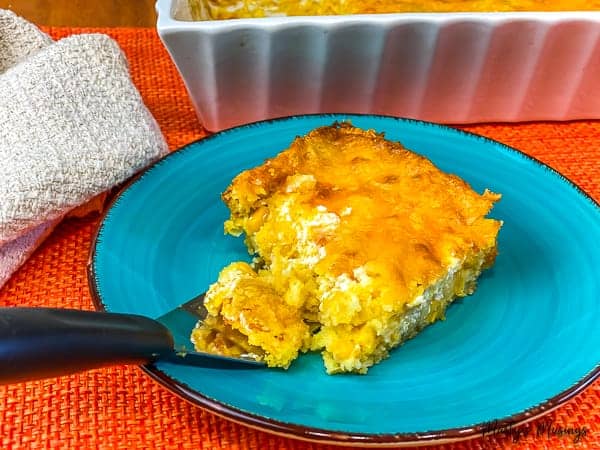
[525, 342]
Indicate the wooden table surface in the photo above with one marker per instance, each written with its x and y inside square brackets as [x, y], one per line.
[85, 13]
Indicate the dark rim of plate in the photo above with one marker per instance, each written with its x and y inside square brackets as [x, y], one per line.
[324, 435]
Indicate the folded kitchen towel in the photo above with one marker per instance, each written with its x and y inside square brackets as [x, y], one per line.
[72, 125]
[18, 39]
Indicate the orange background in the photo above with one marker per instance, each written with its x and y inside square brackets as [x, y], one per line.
[85, 13]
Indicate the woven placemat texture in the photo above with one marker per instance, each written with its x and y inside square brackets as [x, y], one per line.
[122, 408]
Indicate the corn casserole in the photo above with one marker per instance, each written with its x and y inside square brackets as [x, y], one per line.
[230, 9]
[358, 244]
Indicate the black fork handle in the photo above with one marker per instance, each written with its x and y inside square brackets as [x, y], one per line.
[40, 343]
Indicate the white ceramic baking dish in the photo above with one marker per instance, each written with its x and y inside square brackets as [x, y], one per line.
[441, 67]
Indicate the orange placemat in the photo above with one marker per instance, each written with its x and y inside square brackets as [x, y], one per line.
[122, 408]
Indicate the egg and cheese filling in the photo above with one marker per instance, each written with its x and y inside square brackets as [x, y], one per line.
[358, 244]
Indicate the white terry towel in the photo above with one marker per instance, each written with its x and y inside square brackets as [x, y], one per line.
[72, 125]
